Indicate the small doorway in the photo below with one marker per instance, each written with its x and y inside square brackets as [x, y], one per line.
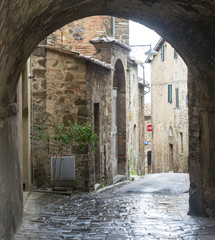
[115, 136]
[97, 155]
[171, 156]
[149, 161]
[119, 121]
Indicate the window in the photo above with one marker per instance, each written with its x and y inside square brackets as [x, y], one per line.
[181, 143]
[162, 53]
[170, 93]
[177, 98]
[170, 133]
[175, 54]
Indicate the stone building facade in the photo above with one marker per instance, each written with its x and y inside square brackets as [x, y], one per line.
[135, 123]
[169, 110]
[77, 35]
[147, 139]
[70, 85]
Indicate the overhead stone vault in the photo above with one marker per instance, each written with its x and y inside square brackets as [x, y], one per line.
[187, 25]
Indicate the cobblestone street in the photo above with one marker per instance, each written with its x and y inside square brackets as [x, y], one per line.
[113, 215]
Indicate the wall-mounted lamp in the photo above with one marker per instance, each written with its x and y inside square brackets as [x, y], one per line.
[151, 53]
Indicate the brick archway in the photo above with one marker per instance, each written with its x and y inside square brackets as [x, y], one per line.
[188, 26]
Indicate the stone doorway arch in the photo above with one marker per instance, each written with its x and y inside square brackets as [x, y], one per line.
[119, 120]
[188, 26]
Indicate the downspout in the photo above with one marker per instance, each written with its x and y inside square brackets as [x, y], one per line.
[30, 76]
[113, 27]
[143, 73]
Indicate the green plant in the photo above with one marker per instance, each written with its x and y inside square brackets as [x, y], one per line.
[63, 136]
[83, 134]
[132, 172]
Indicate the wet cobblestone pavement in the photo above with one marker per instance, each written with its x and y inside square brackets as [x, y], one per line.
[111, 215]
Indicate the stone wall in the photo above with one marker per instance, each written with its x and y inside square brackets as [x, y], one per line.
[170, 134]
[122, 30]
[99, 92]
[65, 89]
[59, 96]
[77, 35]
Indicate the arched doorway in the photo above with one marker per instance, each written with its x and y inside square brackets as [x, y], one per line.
[171, 155]
[119, 120]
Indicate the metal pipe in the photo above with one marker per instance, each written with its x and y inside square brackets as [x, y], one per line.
[113, 27]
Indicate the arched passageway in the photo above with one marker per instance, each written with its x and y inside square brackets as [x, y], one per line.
[188, 26]
[119, 120]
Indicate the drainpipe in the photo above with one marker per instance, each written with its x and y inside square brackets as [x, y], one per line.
[113, 27]
[143, 73]
[30, 76]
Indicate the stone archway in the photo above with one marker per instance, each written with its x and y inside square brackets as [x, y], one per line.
[119, 120]
[188, 26]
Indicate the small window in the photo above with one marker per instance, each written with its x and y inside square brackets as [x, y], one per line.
[162, 53]
[175, 54]
[177, 98]
[170, 133]
[170, 93]
[181, 143]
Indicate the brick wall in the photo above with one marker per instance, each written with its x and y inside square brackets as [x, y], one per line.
[77, 35]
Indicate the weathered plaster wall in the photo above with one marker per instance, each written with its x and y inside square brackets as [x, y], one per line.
[26, 128]
[135, 121]
[141, 130]
[165, 115]
[147, 138]
[11, 171]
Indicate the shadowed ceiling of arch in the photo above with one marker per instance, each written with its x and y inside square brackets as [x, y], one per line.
[187, 25]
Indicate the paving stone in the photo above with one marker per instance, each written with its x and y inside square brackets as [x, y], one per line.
[112, 215]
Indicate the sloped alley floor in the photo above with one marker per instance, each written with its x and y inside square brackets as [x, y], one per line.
[144, 209]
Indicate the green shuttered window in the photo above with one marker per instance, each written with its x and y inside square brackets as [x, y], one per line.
[177, 98]
[162, 53]
[175, 54]
[170, 93]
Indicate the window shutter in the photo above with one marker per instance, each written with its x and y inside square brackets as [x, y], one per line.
[175, 54]
[169, 93]
[162, 53]
[177, 98]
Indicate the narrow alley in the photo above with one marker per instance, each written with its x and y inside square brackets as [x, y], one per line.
[150, 207]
